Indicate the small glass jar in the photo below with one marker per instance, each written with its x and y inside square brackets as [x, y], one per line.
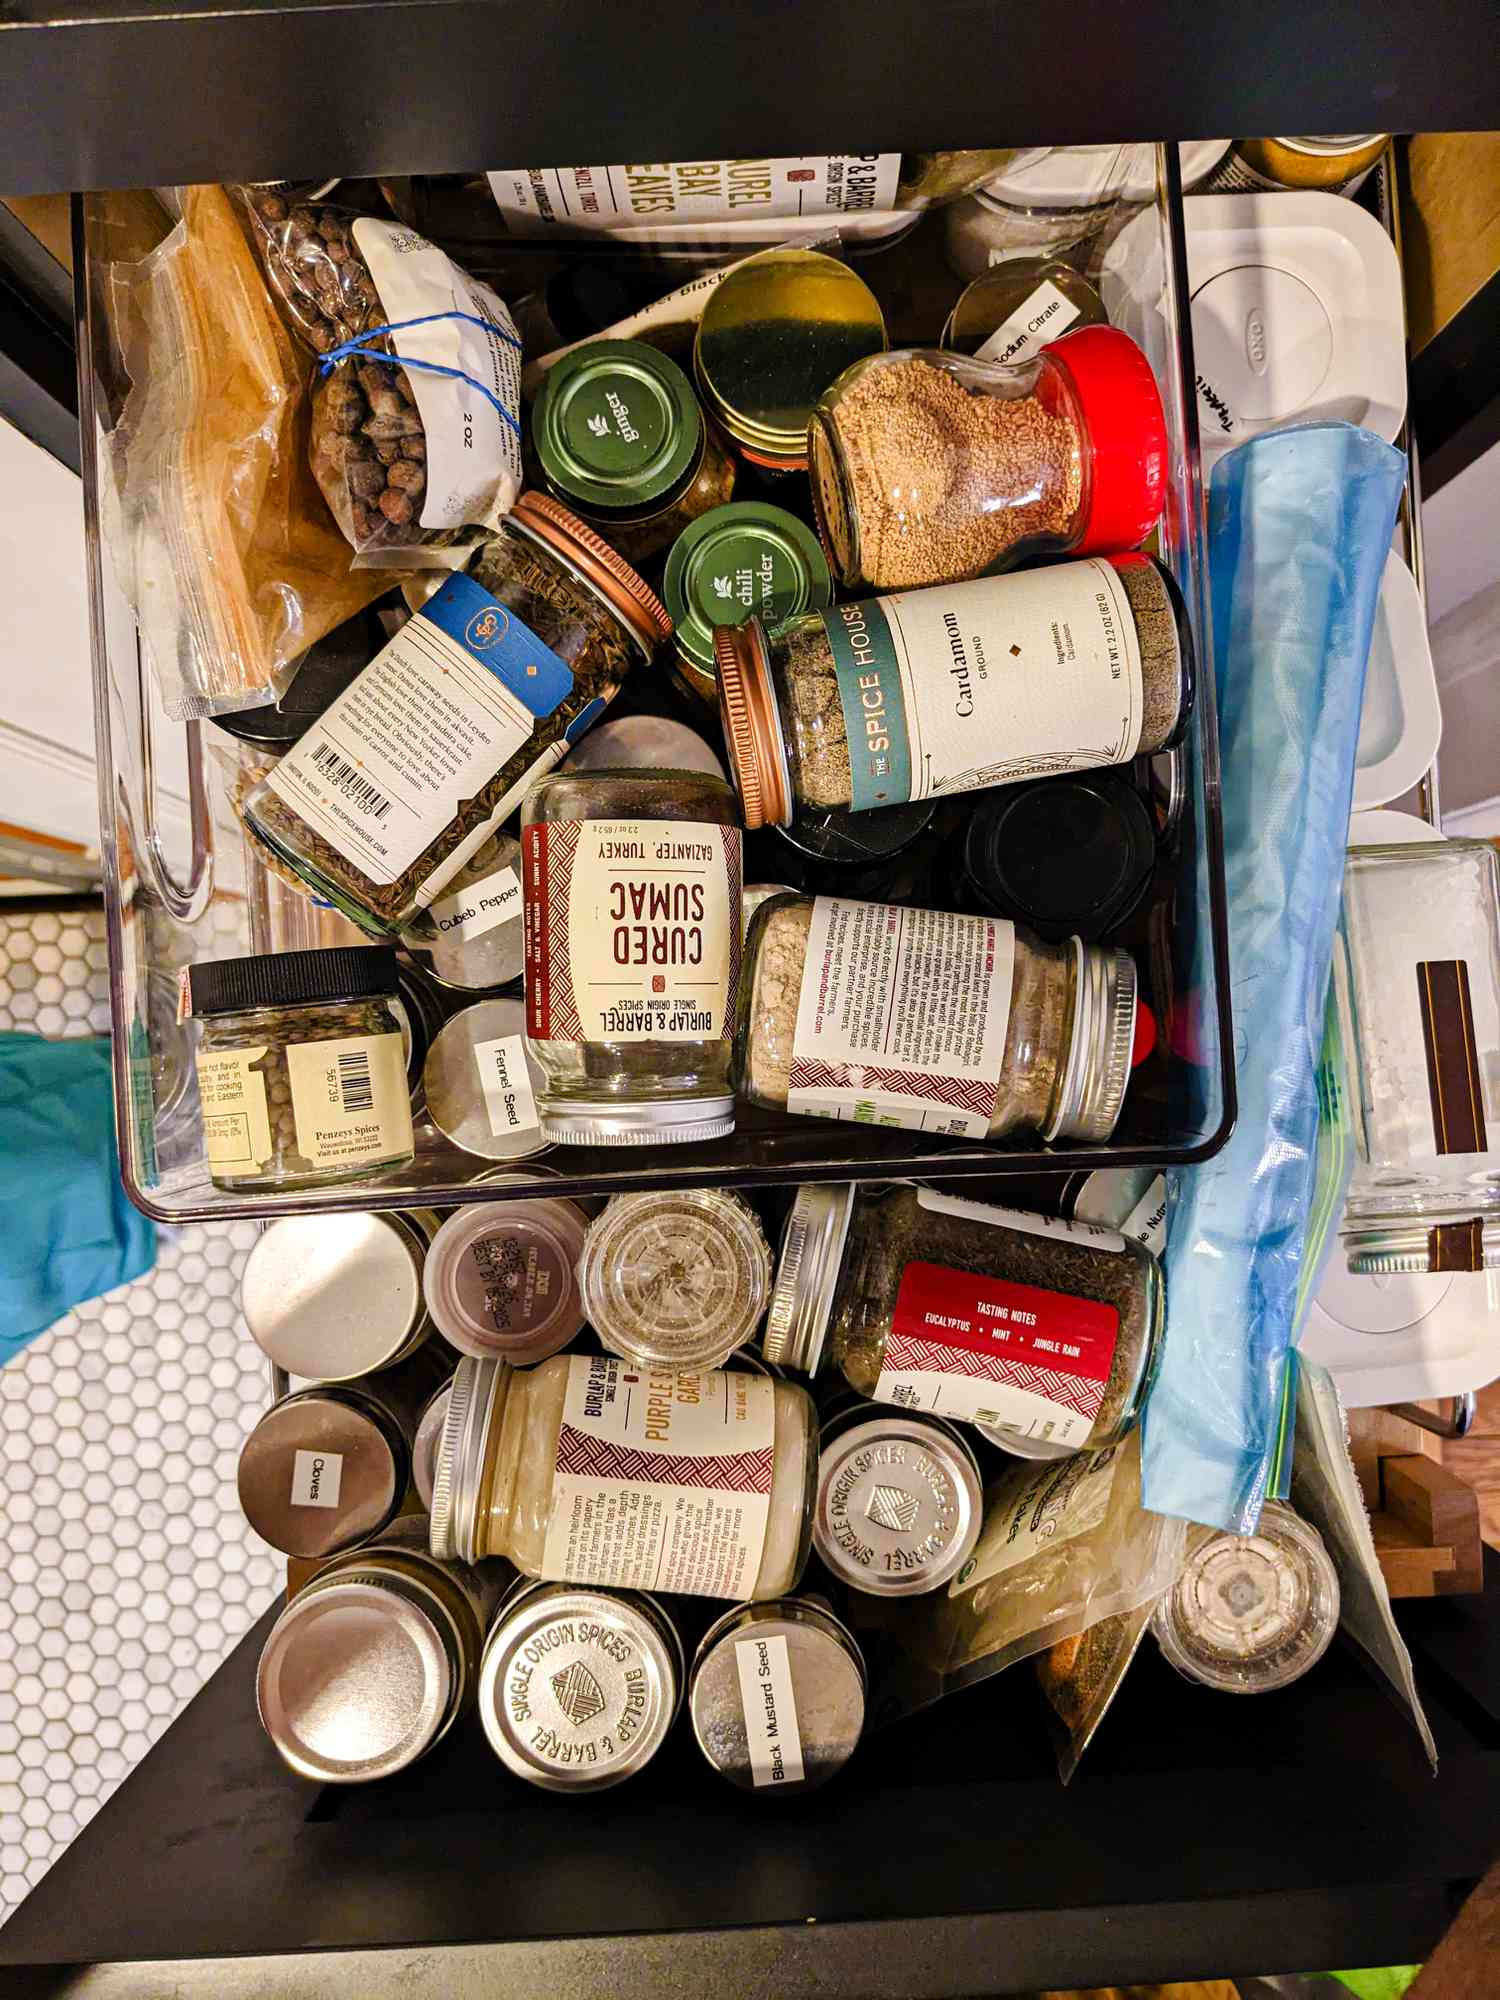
[880, 1014]
[929, 467]
[333, 1297]
[472, 939]
[1042, 1328]
[676, 1280]
[562, 1468]
[1337, 164]
[777, 1695]
[375, 1658]
[884, 700]
[1020, 306]
[481, 1082]
[579, 1688]
[899, 1500]
[1251, 1612]
[632, 888]
[621, 440]
[433, 746]
[301, 1068]
[742, 559]
[326, 1469]
[501, 1279]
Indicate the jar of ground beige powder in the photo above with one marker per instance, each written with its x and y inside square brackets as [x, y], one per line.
[929, 466]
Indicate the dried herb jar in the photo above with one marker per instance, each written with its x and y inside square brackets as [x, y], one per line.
[676, 1280]
[407, 775]
[777, 1695]
[301, 1068]
[928, 466]
[884, 1015]
[586, 1470]
[632, 898]
[1045, 1329]
[959, 688]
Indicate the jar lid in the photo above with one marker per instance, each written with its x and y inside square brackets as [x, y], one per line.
[292, 979]
[777, 1695]
[476, 1404]
[1252, 1612]
[616, 425]
[321, 1471]
[1103, 1042]
[319, 678]
[499, 1279]
[472, 936]
[1126, 430]
[1067, 856]
[481, 1082]
[424, 1450]
[332, 1296]
[600, 566]
[609, 1121]
[1330, 145]
[752, 724]
[1469, 1243]
[579, 1687]
[675, 1280]
[839, 837]
[807, 1273]
[740, 558]
[644, 743]
[899, 1501]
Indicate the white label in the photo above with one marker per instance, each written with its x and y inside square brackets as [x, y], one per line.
[1042, 317]
[505, 1076]
[770, 1704]
[644, 195]
[901, 1017]
[316, 1478]
[470, 912]
[351, 1105]
[473, 454]
[1037, 1506]
[1147, 1221]
[662, 1481]
[995, 1216]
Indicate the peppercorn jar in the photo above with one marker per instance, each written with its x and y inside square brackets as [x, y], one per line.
[589, 1470]
[301, 1067]
[675, 1279]
[879, 1014]
[956, 688]
[632, 900]
[1043, 1329]
[929, 466]
[413, 768]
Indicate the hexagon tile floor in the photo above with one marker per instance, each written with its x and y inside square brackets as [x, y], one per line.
[146, 1394]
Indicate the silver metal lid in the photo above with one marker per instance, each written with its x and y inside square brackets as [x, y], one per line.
[578, 1687]
[476, 1402]
[676, 1279]
[1098, 1068]
[424, 1451]
[481, 1082]
[807, 1273]
[777, 1695]
[663, 1122]
[1469, 1243]
[331, 1297]
[322, 1470]
[899, 1501]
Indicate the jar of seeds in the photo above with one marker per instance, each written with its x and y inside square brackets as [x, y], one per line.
[955, 689]
[301, 1068]
[676, 1279]
[929, 466]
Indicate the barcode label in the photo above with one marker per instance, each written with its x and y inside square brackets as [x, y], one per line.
[370, 800]
[355, 1093]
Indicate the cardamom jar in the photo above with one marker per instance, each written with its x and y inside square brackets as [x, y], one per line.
[1045, 1329]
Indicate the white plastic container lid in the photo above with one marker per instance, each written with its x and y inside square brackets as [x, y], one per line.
[1084, 176]
[1401, 722]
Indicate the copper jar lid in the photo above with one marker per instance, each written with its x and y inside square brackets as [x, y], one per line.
[623, 590]
[752, 724]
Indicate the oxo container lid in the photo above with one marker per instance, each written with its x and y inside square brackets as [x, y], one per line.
[777, 1695]
[320, 1472]
[899, 1501]
[1252, 1612]
[331, 1297]
[737, 559]
[807, 1273]
[499, 1279]
[616, 425]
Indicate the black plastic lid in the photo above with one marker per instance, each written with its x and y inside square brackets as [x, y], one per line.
[1068, 857]
[293, 979]
[323, 673]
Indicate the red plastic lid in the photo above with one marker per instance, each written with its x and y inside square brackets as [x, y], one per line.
[1145, 1034]
[1127, 429]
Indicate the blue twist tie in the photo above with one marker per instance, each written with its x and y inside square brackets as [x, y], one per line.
[350, 349]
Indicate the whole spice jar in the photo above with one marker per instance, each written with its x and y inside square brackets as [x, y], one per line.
[675, 1280]
[325, 1469]
[581, 1471]
[500, 1279]
[1252, 1612]
[928, 466]
[1019, 306]
[632, 890]
[880, 1014]
[407, 775]
[1042, 1328]
[1333, 165]
[899, 1500]
[742, 559]
[334, 1297]
[473, 936]
[301, 1070]
[481, 1082]
[887, 699]
[777, 1695]
[621, 440]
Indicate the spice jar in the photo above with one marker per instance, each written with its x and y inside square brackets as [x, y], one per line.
[881, 1014]
[899, 1500]
[301, 1070]
[425, 1447]
[481, 1082]
[1043, 1328]
[928, 466]
[412, 769]
[374, 1659]
[1333, 165]
[777, 1695]
[582, 1471]
[1252, 1612]
[325, 1469]
[500, 1280]
[675, 1280]
[621, 440]
[1067, 857]
[742, 559]
[632, 888]
[1019, 306]
[473, 937]
[777, 330]
[883, 700]
[334, 1297]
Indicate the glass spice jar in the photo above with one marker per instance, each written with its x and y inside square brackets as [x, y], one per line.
[1019, 306]
[1336, 164]
[326, 1468]
[1250, 1613]
[746, 558]
[878, 1014]
[1045, 1329]
[333, 1297]
[928, 467]
[958, 688]
[899, 1502]
[407, 775]
[632, 891]
[677, 1279]
[472, 938]
[582, 1471]
[301, 1068]
[500, 1279]
[777, 1695]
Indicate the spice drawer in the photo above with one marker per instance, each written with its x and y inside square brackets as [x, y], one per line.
[216, 900]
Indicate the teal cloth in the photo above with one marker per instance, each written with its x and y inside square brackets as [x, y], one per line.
[67, 1230]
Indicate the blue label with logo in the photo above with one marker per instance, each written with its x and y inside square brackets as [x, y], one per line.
[492, 635]
[874, 703]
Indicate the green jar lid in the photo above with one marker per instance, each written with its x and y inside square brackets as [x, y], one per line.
[742, 558]
[616, 426]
